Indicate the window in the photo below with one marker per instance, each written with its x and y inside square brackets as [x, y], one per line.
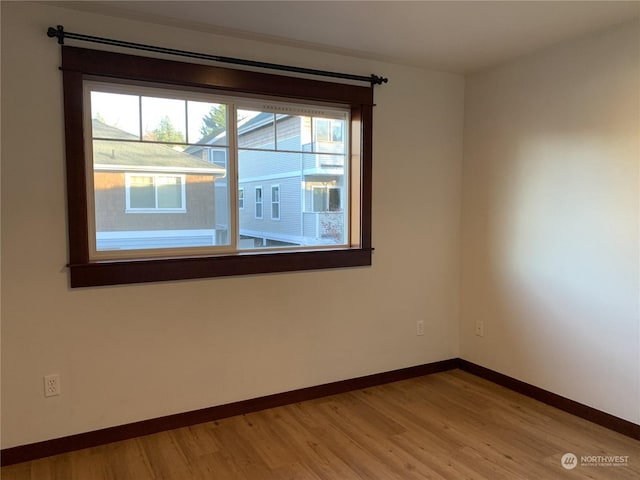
[155, 193]
[258, 202]
[275, 202]
[334, 199]
[217, 155]
[241, 198]
[326, 199]
[329, 130]
[153, 180]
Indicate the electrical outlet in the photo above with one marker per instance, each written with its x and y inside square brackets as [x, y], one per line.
[480, 329]
[420, 327]
[51, 385]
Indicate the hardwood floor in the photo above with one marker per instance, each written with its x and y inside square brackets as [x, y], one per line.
[450, 425]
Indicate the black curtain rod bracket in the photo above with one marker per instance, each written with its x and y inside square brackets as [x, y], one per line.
[60, 34]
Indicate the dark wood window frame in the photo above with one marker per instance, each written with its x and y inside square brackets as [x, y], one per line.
[80, 64]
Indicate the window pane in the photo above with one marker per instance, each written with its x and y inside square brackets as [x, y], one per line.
[302, 210]
[121, 112]
[334, 199]
[337, 129]
[256, 130]
[275, 202]
[207, 123]
[329, 136]
[258, 199]
[164, 120]
[293, 135]
[169, 192]
[322, 130]
[141, 192]
[319, 199]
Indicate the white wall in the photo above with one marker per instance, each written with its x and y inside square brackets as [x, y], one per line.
[550, 259]
[130, 353]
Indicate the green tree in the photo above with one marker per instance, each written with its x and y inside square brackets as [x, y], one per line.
[165, 132]
[215, 121]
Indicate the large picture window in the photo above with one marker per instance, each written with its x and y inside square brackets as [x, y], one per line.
[155, 148]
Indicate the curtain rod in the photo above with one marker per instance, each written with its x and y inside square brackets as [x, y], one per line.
[60, 34]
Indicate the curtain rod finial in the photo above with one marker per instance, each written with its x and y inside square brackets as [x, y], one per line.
[377, 80]
[56, 32]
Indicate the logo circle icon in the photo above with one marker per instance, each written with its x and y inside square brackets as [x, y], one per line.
[569, 461]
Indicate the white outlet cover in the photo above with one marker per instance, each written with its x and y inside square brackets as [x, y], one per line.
[51, 385]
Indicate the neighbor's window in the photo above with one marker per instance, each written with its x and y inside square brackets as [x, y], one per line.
[326, 199]
[161, 160]
[155, 193]
[275, 202]
[259, 202]
[328, 130]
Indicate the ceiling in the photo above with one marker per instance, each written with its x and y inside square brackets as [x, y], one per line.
[455, 36]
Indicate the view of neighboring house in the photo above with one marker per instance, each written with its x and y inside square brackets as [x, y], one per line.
[150, 195]
[291, 179]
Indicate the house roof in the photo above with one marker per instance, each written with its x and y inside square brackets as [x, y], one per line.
[117, 150]
[244, 127]
[257, 121]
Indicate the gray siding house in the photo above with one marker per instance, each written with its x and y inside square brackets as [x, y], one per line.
[291, 180]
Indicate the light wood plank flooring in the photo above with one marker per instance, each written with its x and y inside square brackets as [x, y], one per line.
[449, 425]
